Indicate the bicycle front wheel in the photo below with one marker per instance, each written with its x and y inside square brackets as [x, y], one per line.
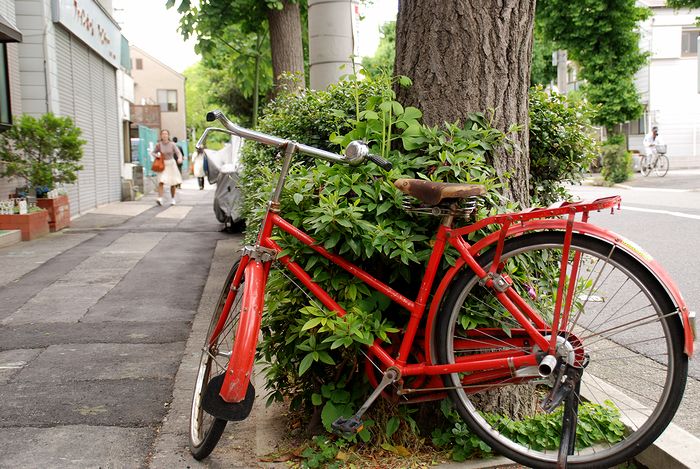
[622, 330]
[661, 167]
[646, 165]
[206, 430]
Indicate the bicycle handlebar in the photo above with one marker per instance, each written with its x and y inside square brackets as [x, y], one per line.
[356, 153]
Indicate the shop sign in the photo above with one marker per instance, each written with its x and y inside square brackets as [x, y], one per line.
[87, 20]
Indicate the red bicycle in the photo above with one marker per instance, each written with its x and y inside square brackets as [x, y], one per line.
[582, 323]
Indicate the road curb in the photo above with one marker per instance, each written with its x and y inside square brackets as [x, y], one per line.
[675, 448]
[9, 237]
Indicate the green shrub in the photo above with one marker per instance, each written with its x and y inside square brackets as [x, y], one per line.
[562, 145]
[44, 151]
[617, 161]
[356, 212]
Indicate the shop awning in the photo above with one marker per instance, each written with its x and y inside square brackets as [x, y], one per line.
[8, 33]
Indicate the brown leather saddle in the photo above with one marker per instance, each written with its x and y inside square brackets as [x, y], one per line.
[432, 193]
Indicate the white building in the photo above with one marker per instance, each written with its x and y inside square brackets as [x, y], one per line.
[668, 84]
[67, 64]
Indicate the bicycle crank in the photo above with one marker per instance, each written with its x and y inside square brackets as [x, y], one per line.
[353, 425]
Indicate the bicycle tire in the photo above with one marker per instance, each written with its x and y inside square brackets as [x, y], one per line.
[661, 167]
[206, 430]
[601, 377]
[645, 166]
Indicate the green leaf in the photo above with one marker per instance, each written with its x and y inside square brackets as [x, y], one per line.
[306, 363]
[392, 425]
[316, 399]
[411, 113]
[384, 207]
[326, 358]
[298, 198]
[311, 323]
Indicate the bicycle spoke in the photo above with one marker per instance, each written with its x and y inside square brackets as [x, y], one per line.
[588, 297]
[608, 302]
[634, 324]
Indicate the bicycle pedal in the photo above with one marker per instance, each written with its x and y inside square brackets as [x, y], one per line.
[347, 427]
[213, 404]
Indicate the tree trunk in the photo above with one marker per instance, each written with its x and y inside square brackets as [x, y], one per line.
[286, 46]
[471, 56]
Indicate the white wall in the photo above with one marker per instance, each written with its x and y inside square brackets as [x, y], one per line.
[37, 57]
[7, 9]
[671, 80]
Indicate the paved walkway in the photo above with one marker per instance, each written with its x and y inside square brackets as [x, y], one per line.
[93, 326]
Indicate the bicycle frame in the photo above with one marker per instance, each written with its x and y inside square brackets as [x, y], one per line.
[257, 267]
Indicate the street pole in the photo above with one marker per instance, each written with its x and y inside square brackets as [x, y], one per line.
[562, 72]
[332, 40]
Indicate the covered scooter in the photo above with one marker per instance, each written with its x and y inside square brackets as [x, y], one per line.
[223, 168]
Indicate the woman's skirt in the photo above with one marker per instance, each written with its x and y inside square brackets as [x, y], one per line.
[170, 176]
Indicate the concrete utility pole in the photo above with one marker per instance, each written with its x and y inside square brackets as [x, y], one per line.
[562, 72]
[332, 39]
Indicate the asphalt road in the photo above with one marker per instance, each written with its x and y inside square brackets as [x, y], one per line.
[662, 215]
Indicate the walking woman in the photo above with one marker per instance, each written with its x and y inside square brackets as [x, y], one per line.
[170, 176]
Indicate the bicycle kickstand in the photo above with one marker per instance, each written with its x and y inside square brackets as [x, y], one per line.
[353, 425]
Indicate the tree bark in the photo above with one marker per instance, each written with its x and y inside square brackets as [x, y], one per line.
[286, 46]
[471, 56]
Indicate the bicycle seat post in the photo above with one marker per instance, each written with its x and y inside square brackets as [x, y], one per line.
[448, 219]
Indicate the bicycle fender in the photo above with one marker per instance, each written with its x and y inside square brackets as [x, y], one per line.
[630, 248]
[240, 365]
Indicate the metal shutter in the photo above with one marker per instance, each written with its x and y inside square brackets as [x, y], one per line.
[99, 129]
[113, 155]
[65, 90]
[83, 118]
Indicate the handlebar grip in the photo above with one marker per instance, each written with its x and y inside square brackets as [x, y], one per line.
[381, 162]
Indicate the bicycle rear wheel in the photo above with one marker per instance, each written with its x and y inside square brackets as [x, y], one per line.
[206, 430]
[623, 329]
[661, 167]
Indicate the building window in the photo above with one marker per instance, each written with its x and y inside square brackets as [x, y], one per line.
[139, 64]
[638, 126]
[5, 111]
[689, 42]
[167, 100]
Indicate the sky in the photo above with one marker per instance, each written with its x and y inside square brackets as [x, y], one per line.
[153, 28]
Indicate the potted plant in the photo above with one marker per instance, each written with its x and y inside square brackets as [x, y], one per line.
[44, 151]
[32, 224]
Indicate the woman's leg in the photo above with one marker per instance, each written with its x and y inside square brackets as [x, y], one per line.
[159, 200]
[201, 183]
